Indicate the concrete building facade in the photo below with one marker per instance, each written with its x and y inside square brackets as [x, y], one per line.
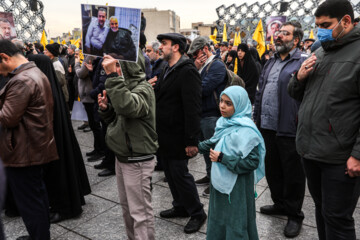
[157, 22]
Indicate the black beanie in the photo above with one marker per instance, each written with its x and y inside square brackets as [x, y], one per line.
[244, 47]
[54, 49]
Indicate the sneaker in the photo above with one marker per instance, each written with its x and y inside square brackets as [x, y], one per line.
[206, 192]
[83, 126]
[203, 181]
[87, 129]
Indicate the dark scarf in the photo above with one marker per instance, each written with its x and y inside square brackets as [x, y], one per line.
[66, 180]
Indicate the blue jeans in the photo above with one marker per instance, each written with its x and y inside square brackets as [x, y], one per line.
[207, 125]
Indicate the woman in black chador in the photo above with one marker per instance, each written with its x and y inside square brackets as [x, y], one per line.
[66, 180]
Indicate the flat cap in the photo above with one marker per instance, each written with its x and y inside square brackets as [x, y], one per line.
[175, 37]
[198, 43]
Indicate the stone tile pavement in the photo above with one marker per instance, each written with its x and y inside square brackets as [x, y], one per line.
[102, 219]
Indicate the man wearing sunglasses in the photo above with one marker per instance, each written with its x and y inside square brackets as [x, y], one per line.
[329, 120]
[275, 114]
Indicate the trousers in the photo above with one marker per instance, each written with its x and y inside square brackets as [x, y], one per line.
[207, 125]
[182, 187]
[31, 198]
[284, 173]
[133, 181]
[335, 195]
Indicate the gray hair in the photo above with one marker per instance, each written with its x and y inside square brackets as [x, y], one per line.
[73, 47]
[298, 32]
[155, 46]
[114, 18]
[18, 43]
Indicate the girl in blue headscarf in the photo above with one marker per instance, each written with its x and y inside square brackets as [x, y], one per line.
[237, 152]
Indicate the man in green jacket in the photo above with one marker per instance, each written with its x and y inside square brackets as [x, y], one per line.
[131, 135]
[328, 139]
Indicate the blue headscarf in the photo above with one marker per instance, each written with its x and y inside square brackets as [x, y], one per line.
[236, 136]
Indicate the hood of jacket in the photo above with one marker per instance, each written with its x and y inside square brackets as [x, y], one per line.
[133, 72]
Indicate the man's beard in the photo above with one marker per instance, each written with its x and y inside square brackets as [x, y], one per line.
[168, 57]
[285, 47]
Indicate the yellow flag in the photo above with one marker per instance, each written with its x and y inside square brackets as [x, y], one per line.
[51, 41]
[213, 37]
[43, 40]
[272, 39]
[239, 39]
[311, 34]
[58, 41]
[235, 39]
[63, 42]
[224, 34]
[77, 43]
[236, 66]
[72, 41]
[259, 38]
[69, 34]
[267, 47]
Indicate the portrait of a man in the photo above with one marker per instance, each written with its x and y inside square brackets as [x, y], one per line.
[108, 31]
[7, 28]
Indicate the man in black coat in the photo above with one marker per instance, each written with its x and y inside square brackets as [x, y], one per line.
[119, 42]
[178, 114]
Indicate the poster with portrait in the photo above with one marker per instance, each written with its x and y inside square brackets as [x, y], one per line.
[7, 26]
[273, 25]
[113, 31]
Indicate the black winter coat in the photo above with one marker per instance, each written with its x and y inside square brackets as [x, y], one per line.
[178, 109]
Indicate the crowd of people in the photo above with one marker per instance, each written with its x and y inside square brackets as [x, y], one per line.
[287, 115]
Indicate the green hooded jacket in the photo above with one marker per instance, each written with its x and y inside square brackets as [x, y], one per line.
[131, 133]
[329, 116]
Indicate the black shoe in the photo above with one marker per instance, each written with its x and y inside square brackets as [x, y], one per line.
[100, 165]
[88, 129]
[106, 173]
[272, 210]
[82, 127]
[12, 214]
[194, 224]
[203, 181]
[56, 217]
[24, 238]
[173, 213]
[95, 157]
[206, 192]
[92, 153]
[292, 228]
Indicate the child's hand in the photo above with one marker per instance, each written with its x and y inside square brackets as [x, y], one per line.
[214, 155]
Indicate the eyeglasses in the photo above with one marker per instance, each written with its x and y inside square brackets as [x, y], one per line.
[148, 50]
[283, 32]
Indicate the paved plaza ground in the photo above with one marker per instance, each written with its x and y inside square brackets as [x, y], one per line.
[102, 219]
